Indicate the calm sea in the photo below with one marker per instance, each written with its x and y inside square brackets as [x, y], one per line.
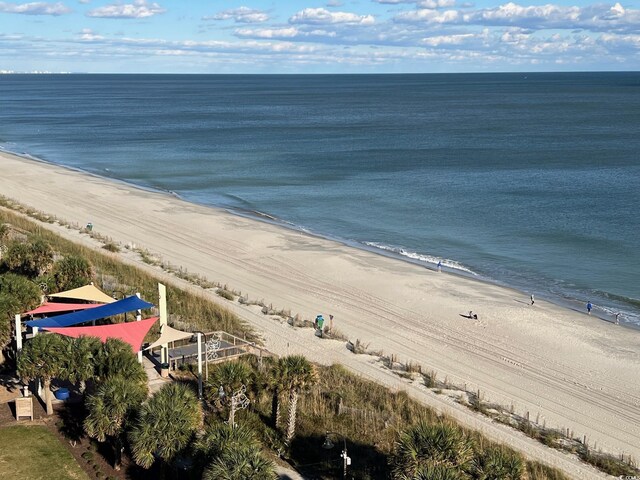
[527, 180]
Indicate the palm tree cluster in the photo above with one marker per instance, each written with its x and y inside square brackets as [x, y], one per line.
[442, 451]
[50, 356]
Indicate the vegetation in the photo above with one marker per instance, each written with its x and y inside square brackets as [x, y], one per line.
[228, 378]
[297, 375]
[30, 259]
[111, 408]
[34, 452]
[165, 425]
[72, 271]
[17, 294]
[43, 357]
[188, 310]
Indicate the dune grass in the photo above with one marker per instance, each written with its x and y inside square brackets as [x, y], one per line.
[112, 276]
[33, 452]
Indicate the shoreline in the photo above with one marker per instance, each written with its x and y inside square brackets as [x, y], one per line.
[560, 301]
[576, 371]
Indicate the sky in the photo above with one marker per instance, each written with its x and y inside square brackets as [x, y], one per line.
[324, 36]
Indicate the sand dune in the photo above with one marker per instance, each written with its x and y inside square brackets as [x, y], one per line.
[573, 370]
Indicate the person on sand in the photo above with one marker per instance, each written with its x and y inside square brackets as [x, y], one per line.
[532, 300]
[439, 266]
[330, 323]
[617, 315]
[589, 307]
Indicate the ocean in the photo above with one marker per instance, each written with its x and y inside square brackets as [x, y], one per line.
[525, 180]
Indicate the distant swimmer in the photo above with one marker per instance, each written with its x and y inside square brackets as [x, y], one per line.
[589, 307]
[439, 266]
[532, 300]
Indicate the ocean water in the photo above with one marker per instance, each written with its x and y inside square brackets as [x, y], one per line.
[526, 180]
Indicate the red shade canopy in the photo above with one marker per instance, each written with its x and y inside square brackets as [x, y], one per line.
[60, 307]
[132, 332]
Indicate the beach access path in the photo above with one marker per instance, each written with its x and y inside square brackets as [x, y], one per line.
[572, 370]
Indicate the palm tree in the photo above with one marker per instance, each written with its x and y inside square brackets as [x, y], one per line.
[165, 425]
[83, 357]
[117, 358]
[437, 472]
[274, 383]
[240, 465]
[219, 438]
[110, 408]
[227, 379]
[43, 357]
[498, 462]
[426, 444]
[297, 374]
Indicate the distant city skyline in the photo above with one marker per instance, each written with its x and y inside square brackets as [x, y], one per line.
[327, 36]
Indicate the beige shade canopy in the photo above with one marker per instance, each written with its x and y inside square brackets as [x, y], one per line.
[89, 293]
[168, 335]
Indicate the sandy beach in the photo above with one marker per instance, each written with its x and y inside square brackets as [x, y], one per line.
[572, 370]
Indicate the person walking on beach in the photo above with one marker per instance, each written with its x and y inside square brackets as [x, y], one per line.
[617, 315]
[589, 307]
[330, 323]
[439, 266]
[532, 300]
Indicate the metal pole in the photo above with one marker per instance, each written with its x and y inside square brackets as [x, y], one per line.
[138, 318]
[344, 458]
[18, 333]
[199, 365]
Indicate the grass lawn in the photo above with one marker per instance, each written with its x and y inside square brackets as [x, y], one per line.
[33, 452]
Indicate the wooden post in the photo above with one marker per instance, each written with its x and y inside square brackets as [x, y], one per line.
[139, 318]
[199, 335]
[162, 305]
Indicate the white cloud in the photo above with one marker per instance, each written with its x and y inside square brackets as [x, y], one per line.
[289, 32]
[436, 3]
[88, 35]
[334, 3]
[321, 16]
[283, 33]
[240, 15]
[137, 9]
[35, 8]
[440, 40]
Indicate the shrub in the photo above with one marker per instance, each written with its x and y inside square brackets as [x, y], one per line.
[112, 247]
[29, 259]
[72, 271]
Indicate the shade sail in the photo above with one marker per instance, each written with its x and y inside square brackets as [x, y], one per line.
[103, 311]
[131, 332]
[168, 335]
[61, 307]
[89, 293]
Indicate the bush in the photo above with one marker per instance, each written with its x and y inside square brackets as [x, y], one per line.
[72, 271]
[112, 247]
[87, 455]
[29, 259]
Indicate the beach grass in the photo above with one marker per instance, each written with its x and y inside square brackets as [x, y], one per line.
[112, 275]
[33, 452]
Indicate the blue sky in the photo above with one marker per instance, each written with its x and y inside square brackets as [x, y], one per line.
[326, 36]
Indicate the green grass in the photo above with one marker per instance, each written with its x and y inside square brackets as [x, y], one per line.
[33, 452]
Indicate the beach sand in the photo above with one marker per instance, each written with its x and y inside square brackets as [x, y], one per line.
[572, 370]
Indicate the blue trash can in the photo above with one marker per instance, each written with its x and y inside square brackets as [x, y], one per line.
[62, 393]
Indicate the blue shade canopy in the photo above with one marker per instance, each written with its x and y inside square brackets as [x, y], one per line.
[121, 306]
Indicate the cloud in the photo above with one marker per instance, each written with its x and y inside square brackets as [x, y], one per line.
[421, 3]
[321, 16]
[594, 17]
[88, 35]
[240, 15]
[137, 9]
[334, 3]
[35, 8]
[284, 33]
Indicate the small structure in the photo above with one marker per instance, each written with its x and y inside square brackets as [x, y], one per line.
[24, 407]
